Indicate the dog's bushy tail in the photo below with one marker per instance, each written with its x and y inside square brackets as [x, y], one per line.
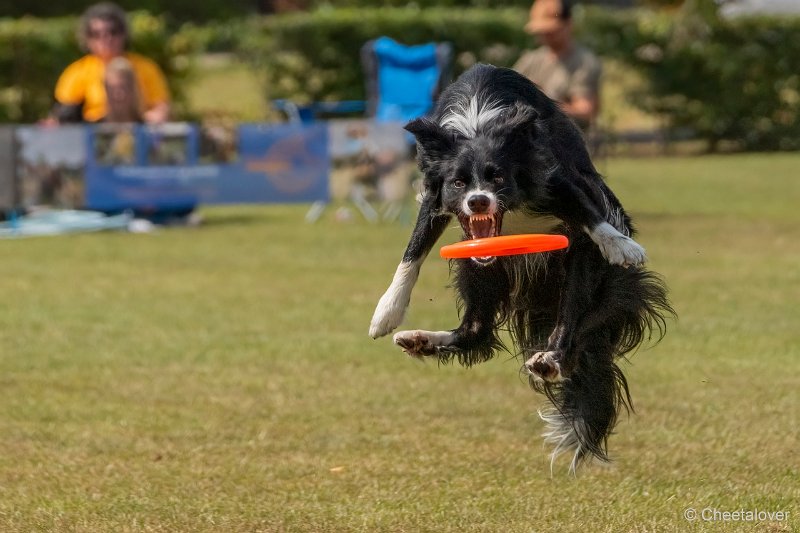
[585, 410]
[586, 405]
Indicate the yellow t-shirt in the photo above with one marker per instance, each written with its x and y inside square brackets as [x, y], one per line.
[82, 82]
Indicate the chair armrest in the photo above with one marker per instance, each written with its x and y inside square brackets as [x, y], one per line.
[307, 113]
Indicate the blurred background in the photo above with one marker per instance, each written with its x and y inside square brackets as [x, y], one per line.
[694, 75]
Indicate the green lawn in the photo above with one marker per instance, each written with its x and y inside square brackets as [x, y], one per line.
[221, 378]
[224, 89]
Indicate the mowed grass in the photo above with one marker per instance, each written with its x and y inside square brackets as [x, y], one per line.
[221, 378]
[223, 88]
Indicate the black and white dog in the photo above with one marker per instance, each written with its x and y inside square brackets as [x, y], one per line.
[497, 153]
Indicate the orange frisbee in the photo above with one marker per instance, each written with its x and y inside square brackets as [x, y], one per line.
[504, 245]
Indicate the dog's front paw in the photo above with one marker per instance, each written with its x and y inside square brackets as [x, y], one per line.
[388, 315]
[618, 249]
[419, 343]
[545, 366]
[392, 306]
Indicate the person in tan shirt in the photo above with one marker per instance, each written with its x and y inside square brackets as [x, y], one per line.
[564, 70]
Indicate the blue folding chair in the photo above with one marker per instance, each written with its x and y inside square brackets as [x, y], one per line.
[305, 114]
[403, 81]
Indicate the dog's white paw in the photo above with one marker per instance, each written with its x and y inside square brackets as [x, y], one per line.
[545, 366]
[419, 343]
[388, 315]
[392, 306]
[618, 249]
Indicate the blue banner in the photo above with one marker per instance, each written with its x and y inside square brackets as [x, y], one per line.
[155, 168]
[176, 166]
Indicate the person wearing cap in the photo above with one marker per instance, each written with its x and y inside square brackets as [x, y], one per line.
[81, 91]
[564, 70]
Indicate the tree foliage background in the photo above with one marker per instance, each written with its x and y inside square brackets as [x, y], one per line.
[723, 79]
[178, 11]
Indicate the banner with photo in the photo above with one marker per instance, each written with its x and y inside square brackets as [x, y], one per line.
[49, 166]
[114, 167]
[369, 158]
[165, 168]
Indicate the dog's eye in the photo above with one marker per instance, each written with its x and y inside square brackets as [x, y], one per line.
[499, 180]
[459, 184]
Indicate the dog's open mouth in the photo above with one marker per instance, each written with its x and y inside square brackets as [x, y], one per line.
[481, 227]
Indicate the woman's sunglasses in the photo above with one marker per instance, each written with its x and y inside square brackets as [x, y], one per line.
[99, 34]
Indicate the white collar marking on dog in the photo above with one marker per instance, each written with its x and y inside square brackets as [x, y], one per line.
[468, 117]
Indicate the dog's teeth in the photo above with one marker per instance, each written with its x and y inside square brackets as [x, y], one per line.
[483, 220]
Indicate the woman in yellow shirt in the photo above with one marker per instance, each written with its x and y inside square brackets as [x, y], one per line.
[81, 89]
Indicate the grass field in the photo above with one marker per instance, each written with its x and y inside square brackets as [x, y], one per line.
[223, 88]
[221, 378]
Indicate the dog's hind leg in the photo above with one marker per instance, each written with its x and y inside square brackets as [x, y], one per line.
[392, 306]
[482, 290]
[576, 370]
[583, 271]
[626, 307]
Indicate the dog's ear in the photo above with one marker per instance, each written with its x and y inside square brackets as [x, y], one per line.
[435, 147]
[519, 119]
[432, 138]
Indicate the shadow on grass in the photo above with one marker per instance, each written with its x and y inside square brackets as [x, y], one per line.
[252, 215]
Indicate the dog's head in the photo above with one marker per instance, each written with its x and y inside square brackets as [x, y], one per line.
[472, 165]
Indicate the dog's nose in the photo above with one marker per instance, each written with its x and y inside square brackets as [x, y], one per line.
[479, 203]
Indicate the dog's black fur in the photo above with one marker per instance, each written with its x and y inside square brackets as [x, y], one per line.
[494, 145]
